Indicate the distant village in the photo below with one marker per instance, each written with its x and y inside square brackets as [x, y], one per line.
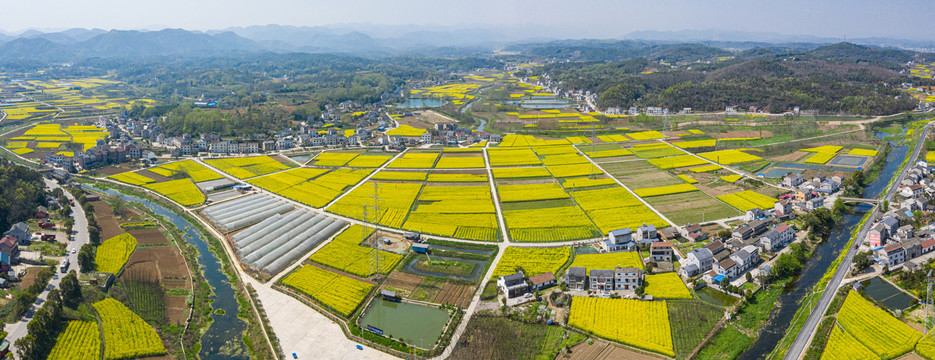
[141, 139]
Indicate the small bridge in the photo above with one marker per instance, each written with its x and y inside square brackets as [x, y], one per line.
[860, 200]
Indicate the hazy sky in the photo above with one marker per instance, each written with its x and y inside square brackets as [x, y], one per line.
[907, 19]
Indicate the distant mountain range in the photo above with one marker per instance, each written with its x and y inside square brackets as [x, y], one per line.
[364, 39]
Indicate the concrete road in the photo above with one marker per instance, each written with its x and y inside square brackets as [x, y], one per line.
[804, 338]
[18, 330]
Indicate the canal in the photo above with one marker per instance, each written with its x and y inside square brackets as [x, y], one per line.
[223, 339]
[824, 254]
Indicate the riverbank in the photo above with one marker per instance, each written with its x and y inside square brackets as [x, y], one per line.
[224, 335]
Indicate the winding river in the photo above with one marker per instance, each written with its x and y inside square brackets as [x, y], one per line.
[223, 339]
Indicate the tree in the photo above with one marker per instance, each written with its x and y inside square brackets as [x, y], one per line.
[116, 203]
[648, 268]
[819, 223]
[839, 207]
[94, 234]
[786, 265]
[71, 290]
[723, 233]
[749, 277]
[68, 223]
[862, 261]
[86, 258]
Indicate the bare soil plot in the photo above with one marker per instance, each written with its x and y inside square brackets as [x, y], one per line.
[641, 174]
[148, 236]
[603, 350]
[177, 309]
[455, 294]
[154, 176]
[403, 282]
[141, 268]
[431, 116]
[428, 289]
[104, 215]
[414, 122]
[795, 156]
[30, 278]
[282, 159]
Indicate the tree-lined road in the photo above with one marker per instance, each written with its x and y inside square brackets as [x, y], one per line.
[18, 330]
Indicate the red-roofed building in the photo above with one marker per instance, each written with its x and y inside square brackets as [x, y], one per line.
[661, 251]
[928, 245]
[893, 254]
[9, 249]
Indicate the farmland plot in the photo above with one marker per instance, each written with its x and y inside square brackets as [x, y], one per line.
[641, 324]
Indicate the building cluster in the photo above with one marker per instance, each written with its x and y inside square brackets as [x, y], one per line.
[603, 280]
[811, 194]
[893, 237]
[441, 134]
[120, 148]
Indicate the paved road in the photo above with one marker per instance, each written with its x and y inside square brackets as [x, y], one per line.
[804, 337]
[18, 330]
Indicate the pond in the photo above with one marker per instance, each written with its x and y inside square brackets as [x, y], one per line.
[715, 297]
[416, 325]
[887, 294]
[778, 172]
[302, 158]
[223, 339]
[479, 267]
[849, 160]
[420, 103]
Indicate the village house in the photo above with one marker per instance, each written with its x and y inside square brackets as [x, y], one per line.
[746, 258]
[777, 238]
[627, 278]
[696, 262]
[618, 240]
[576, 278]
[661, 251]
[601, 280]
[913, 248]
[892, 255]
[646, 234]
[9, 250]
[513, 285]
[794, 180]
[727, 267]
[783, 207]
[542, 281]
[20, 231]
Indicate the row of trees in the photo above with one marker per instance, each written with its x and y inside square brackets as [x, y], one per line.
[49, 320]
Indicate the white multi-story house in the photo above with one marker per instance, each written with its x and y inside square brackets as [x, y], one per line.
[627, 278]
[697, 262]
